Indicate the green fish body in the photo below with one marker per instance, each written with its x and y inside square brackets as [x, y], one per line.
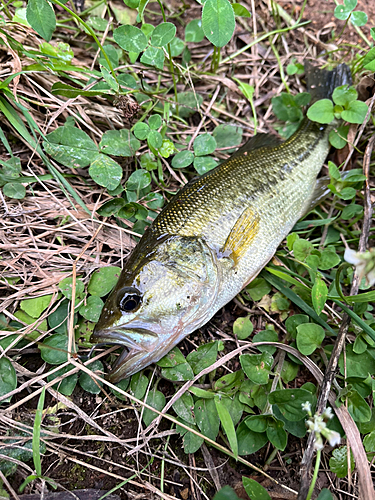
[211, 240]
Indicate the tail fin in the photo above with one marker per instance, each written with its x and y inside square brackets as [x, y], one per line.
[321, 83]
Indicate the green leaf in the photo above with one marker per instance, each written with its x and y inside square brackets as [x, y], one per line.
[257, 366]
[155, 139]
[276, 433]
[289, 402]
[207, 418]
[8, 377]
[138, 385]
[338, 463]
[119, 143]
[123, 385]
[203, 357]
[338, 137]
[105, 171]
[163, 34]
[167, 148]
[71, 146]
[243, 327]
[344, 95]
[66, 287]
[266, 336]
[254, 489]
[328, 259]
[153, 56]
[130, 38]
[249, 441]
[141, 130]
[92, 309]
[177, 46]
[293, 322]
[227, 424]
[87, 382]
[286, 108]
[369, 442]
[258, 288]
[103, 280]
[69, 91]
[289, 371]
[204, 144]
[358, 18]
[35, 307]
[178, 373]
[203, 164]
[54, 349]
[342, 12]
[14, 190]
[218, 21]
[173, 358]
[325, 495]
[321, 111]
[111, 207]
[156, 399]
[302, 249]
[227, 135]
[240, 10]
[319, 294]
[108, 77]
[138, 180]
[189, 103]
[226, 493]
[352, 211]
[194, 31]
[111, 52]
[355, 112]
[192, 442]
[67, 385]
[369, 60]
[357, 365]
[309, 337]
[154, 122]
[41, 17]
[229, 383]
[184, 408]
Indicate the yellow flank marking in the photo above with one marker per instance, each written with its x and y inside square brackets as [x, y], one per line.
[242, 234]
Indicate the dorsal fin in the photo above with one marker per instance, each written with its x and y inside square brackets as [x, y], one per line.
[258, 141]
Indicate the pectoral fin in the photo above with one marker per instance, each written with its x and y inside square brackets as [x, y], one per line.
[242, 235]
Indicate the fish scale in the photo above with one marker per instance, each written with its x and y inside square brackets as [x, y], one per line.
[213, 238]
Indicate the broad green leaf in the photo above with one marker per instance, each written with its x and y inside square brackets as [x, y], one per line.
[328, 259]
[192, 442]
[257, 423]
[194, 31]
[141, 130]
[207, 418]
[258, 288]
[92, 309]
[276, 433]
[243, 327]
[119, 143]
[189, 103]
[357, 365]
[155, 139]
[302, 249]
[229, 383]
[8, 377]
[344, 95]
[297, 428]
[319, 294]
[130, 38]
[294, 321]
[289, 371]
[41, 17]
[204, 144]
[203, 164]
[325, 495]
[14, 190]
[57, 320]
[338, 463]
[355, 112]
[109, 78]
[184, 407]
[153, 56]
[54, 349]
[338, 137]
[359, 18]
[342, 12]
[309, 337]
[227, 424]
[66, 287]
[226, 493]
[218, 21]
[321, 111]
[112, 53]
[357, 406]
[111, 207]
[67, 385]
[352, 211]
[369, 60]
[266, 336]
[138, 180]
[203, 357]
[156, 399]
[254, 489]
[167, 148]
[227, 135]
[249, 441]
[87, 382]
[154, 122]
[289, 402]
[163, 34]
[71, 146]
[105, 171]
[35, 307]
[123, 385]
[234, 406]
[178, 373]
[138, 385]
[173, 358]
[369, 442]
[177, 46]
[103, 280]
[240, 10]
[257, 366]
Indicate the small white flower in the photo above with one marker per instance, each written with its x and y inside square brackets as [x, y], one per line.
[306, 407]
[332, 437]
[318, 445]
[327, 414]
[364, 263]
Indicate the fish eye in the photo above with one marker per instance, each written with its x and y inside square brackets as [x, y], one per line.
[130, 300]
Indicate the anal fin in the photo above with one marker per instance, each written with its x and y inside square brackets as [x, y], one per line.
[242, 234]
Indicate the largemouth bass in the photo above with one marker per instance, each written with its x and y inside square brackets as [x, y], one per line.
[213, 238]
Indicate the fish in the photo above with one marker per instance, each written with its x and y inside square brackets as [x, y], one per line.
[214, 237]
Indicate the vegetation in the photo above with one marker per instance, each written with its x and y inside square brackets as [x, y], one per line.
[106, 113]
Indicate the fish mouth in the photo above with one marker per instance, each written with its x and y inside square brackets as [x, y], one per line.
[140, 348]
